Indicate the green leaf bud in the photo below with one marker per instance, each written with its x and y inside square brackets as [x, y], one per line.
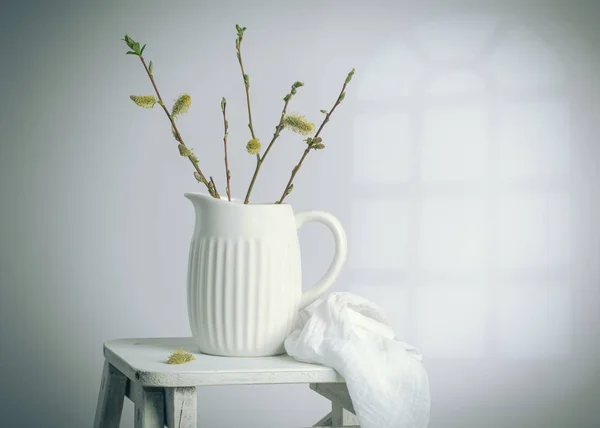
[183, 150]
[129, 41]
[349, 78]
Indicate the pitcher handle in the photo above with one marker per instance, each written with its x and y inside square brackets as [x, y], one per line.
[341, 251]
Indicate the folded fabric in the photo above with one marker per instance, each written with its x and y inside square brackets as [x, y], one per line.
[386, 380]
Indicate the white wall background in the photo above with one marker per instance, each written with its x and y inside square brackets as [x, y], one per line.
[463, 164]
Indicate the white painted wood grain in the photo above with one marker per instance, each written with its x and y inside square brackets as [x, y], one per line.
[181, 407]
[149, 407]
[341, 416]
[342, 410]
[325, 421]
[110, 398]
[144, 360]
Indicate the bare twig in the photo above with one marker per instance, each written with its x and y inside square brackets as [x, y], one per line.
[225, 135]
[212, 187]
[226, 126]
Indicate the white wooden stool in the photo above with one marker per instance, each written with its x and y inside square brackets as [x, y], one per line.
[165, 394]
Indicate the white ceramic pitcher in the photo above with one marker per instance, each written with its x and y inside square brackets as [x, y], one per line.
[245, 277]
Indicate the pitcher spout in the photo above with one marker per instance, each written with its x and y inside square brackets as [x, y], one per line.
[197, 197]
[201, 204]
[200, 200]
[207, 208]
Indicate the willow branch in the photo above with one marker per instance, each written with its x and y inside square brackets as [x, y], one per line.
[226, 126]
[339, 99]
[278, 130]
[238, 45]
[177, 134]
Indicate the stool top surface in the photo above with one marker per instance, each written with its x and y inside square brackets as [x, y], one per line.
[145, 360]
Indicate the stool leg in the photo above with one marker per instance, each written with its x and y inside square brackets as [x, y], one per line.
[342, 409]
[325, 421]
[342, 417]
[110, 397]
[149, 408]
[181, 407]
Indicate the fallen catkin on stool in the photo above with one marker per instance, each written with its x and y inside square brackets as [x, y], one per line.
[180, 356]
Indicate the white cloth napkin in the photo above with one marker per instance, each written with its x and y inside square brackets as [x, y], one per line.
[387, 382]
